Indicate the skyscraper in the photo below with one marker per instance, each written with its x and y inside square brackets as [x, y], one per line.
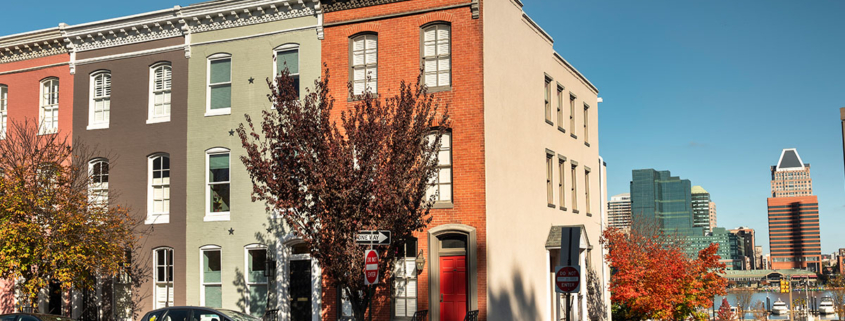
[794, 238]
[665, 200]
[619, 211]
[701, 208]
[712, 215]
[746, 246]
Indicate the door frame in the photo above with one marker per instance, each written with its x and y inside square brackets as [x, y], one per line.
[434, 266]
[282, 282]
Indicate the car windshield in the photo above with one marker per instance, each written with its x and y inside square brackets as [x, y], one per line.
[238, 316]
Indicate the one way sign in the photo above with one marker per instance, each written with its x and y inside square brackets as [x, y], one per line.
[373, 238]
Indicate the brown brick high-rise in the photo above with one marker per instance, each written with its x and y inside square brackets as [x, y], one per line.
[794, 235]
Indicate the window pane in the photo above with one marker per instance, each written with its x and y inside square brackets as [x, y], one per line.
[257, 261]
[219, 197]
[211, 266]
[221, 71]
[257, 299]
[221, 97]
[288, 58]
[218, 166]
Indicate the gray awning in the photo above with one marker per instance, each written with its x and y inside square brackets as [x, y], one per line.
[553, 241]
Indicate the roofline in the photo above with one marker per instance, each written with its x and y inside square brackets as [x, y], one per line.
[783, 152]
[577, 73]
[31, 37]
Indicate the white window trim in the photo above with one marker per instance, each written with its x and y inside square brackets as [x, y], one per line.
[155, 276]
[152, 217]
[436, 57]
[209, 215]
[368, 78]
[208, 110]
[92, 89]
[97, 187]
[4, 110]
[203, 284]
[440, 202]
[151, 118]
[247, 248]
[41, 108]
[283, 48]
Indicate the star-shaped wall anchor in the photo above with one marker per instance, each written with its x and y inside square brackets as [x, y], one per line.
[231, 132]
[231, 231]
[269, 229]
[251, 79]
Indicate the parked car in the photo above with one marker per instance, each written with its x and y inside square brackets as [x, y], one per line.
[194, 314]
[32, 317]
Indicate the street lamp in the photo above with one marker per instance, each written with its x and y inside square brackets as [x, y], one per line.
[420, 262]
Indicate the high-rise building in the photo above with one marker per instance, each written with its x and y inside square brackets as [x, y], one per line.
[758, 257]
[729, 247]
[665, 200]
[712, 214]
[794, 239]
[701, 208]
[619, 211]
[747, 245]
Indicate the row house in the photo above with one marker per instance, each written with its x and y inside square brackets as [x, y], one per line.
[161, 94]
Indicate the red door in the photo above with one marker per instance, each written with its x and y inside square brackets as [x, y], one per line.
[453, 288]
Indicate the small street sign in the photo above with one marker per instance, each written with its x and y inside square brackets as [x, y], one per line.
[567, 279]
[370, 267]
[381, 237]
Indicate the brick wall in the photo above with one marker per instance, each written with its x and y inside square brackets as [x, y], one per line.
[398, 60]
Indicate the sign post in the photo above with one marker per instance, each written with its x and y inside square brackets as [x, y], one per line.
[568, 273]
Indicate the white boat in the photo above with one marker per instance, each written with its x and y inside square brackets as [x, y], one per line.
[779, 307]
[826, 306]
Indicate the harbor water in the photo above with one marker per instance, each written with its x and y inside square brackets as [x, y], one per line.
[773, 297]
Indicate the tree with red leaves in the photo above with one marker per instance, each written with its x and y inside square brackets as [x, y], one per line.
[329, 174]
[653, 279]
[724, 313]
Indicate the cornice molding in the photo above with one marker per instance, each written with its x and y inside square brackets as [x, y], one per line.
[235, 19]
[338, 5]
[31, 45]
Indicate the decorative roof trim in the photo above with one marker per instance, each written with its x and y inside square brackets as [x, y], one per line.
[537, 27]
[31, 45]
[354, 4]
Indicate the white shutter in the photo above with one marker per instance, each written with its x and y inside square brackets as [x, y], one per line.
[442, 40]
[107, 84]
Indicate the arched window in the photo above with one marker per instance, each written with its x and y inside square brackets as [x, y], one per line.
[287, 56]
[49, 111]
[363, 68]
[219, 94]
[218, 182]
[158, 194]
[212, 285]
[436, 54]
[98, 190]
[4, 100]
[163, 277]
[256, 278]
[160, 85]
[100, 102]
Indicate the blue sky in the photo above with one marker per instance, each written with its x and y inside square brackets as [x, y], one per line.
[710, 90]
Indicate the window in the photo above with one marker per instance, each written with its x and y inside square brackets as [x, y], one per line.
[217, 179]
[405, 280]
[4, 109]
[547, 93]
[163, 277]
[158, 208]
[364, 64]
[212, 294]
[219, 85]
[49, 111]
[441, 184]
[100, 101]
[560, 108]
[161, 82]
[587, 188]
[561, 168]
[586, 124]
[549, 189]
[574, 189]
[572, 113]
[98, 190]
[256, 264]
[287, 56]
[437, 59]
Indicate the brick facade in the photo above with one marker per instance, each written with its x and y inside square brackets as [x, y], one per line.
[399, 59]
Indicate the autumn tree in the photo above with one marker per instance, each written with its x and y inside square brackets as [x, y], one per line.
[836, 286]
[331, 173]
[54, 224]
[759, 311]
[653, 278]
[724, 313]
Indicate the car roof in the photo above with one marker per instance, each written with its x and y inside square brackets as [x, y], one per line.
[225, 312]
[40, 315]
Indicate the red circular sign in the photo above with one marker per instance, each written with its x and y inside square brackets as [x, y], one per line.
[567, 278]
[370, 267]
